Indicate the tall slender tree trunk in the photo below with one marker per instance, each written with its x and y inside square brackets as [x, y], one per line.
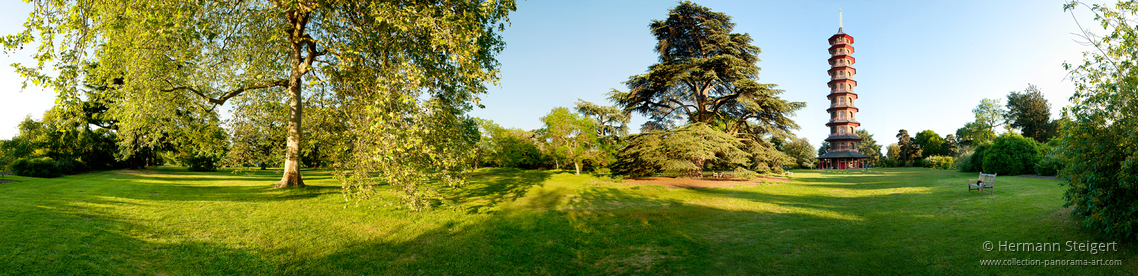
[577, 166]
[291, 177]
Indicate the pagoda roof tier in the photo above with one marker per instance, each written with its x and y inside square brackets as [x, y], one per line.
[836, 122]
[843, 137]
[836, 46]
[845, 80]
[843, 154]
[836, 36]
[844, 107]
[841, 67]
[852, 59]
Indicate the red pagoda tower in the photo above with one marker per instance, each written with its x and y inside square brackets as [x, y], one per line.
[843, 153]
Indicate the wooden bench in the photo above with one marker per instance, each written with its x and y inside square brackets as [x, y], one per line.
[985, 181]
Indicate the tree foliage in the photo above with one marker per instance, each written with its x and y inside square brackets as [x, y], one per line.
[929, 142]
[1031, 113]
[823, 148]
[507, 147]
[1011, 154]
[1099, 152]
[974, 133]
[802, 152]
[571, 136]
[869, 147]
[907, 150]
[951, 145]
[66, 139]
[612, 128]
[705, 74]
[257, 130]
[990, 114]
[892, 156]
[403, 74]
[683, 151]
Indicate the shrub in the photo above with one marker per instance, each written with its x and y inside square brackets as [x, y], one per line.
[601, 171]
[964, 160]
[1012, 154]
[34, 167]
[1049, 165]
[890, 163]
[976, 159]
[70, 166]
[940, 162]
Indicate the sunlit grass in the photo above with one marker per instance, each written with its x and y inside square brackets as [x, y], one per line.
[885, 221]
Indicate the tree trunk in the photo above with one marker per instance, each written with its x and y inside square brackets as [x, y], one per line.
[578, 167]
[291, 177]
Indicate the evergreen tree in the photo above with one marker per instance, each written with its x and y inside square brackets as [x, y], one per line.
[1031, 113]
[908, 150]
[869, 147]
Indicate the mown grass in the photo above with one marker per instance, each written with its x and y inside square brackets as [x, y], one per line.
[887, 221]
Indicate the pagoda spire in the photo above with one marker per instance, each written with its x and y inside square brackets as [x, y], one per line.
[840, 22]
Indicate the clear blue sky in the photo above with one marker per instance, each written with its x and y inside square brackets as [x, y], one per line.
[921, 64]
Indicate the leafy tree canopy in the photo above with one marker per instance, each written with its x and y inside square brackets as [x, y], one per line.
[802, 152]
[990, 114]
[929, 142]
[571, 136]
[1099, 152]
[404, 73]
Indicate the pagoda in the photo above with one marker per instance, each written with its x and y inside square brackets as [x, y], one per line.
[843, 153]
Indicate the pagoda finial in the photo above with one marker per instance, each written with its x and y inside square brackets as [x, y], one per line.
[840, 22]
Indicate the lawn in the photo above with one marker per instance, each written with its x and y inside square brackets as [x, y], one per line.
[886, 221]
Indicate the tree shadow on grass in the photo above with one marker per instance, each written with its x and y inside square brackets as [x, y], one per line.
[600, 230]
[53, 238]
[488, 189]
[161, 186]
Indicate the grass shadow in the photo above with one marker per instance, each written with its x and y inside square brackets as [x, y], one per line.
[489, 188]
